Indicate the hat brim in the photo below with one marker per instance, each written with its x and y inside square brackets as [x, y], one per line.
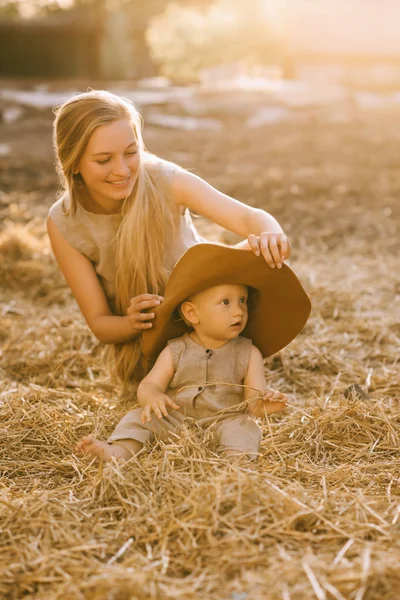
[280, 313]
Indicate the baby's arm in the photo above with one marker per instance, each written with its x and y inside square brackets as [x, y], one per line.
[271, 401]
[151, 391]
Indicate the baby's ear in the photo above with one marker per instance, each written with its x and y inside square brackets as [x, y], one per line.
[188, 311]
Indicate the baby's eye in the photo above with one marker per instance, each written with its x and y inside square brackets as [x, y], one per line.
[225, 301]
[243, 300]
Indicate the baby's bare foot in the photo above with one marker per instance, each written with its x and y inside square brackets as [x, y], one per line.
[89, 445]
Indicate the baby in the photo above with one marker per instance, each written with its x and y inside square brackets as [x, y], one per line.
[205, 370]
[203, 375]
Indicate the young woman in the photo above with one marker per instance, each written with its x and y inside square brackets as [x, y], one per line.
[123, 221]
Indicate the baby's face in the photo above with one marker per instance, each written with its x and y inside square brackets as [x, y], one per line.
[222, 311]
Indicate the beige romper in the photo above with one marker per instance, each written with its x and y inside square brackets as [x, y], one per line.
[94, 235]
[194, 366]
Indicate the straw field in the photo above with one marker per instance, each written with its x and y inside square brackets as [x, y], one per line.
[318, 515]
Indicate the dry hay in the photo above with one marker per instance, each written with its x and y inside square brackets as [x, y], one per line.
[317, 516]
[319, 509]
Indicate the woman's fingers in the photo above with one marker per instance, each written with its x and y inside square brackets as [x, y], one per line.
[254, 244]
[139, 319]
[145, 316]
[145, 301]
[146, 297]
[144, 304]
[138, 324]
[265, 243]
[283, 242]
[275, 251]
[274, 247]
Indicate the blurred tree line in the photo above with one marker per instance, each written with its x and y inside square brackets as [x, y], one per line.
[184, 40]
[144, 10]
[177, 38]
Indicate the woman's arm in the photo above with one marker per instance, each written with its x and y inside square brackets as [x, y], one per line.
[261, 229]
[88, 292]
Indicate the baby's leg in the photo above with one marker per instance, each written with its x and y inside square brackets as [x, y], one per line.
[239, 438]
[126, 440]
[123, 449]
[130, 435]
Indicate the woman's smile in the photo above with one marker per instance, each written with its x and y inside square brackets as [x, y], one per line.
[120, 183]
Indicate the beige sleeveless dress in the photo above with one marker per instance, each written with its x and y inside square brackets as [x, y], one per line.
[94, 235]
[195, 366]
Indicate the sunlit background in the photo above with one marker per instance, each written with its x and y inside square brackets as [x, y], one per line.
[132, 39]
[290, 106]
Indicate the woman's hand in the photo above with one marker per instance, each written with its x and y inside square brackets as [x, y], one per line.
[158, 404]
[275, 247]
[139, 319]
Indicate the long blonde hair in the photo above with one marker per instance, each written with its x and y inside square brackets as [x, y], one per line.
[149, 217]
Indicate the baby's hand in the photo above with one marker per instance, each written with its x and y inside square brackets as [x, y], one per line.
[158, 404]
[274, 396]
[271, 401]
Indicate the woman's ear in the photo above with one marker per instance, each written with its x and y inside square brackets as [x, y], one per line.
[189, 312]
[77, 168]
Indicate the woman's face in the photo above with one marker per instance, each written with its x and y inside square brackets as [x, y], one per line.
[109, 166]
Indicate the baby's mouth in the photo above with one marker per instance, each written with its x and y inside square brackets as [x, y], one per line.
[237, 324]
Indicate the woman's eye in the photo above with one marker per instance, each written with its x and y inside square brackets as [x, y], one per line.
[103, 162]
[132, 153]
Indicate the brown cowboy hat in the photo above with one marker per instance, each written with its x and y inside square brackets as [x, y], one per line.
[280, 310]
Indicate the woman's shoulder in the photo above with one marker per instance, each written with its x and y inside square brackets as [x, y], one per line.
[70, 223]
[56, 207]
[160, 168]
[60, 213]
[60, 208]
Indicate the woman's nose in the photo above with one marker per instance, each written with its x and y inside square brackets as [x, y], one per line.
[121, 167]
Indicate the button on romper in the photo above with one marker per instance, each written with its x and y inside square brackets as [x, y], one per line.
[195, 366]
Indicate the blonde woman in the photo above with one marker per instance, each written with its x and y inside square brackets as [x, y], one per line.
[123, 221]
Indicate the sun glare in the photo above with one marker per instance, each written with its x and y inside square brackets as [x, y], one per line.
[28, 9]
